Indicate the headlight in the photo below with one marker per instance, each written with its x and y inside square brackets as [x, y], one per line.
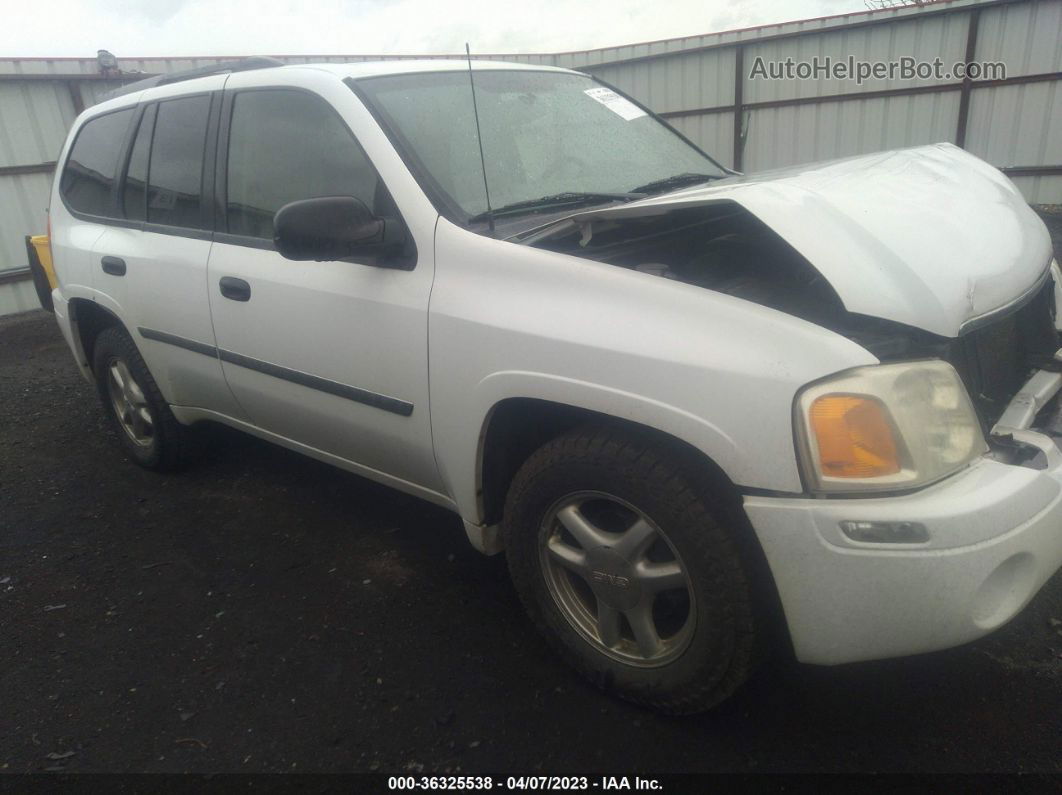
[886, 427]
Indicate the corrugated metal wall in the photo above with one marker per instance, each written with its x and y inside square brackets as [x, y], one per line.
[702, 85]
[35, 115]
[1014, 124]
[786, 134]
[1021, 124]
[34, 118]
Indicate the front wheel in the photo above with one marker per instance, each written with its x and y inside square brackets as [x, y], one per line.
[623, 564]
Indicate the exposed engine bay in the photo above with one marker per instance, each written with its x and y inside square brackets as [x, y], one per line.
[725, 248]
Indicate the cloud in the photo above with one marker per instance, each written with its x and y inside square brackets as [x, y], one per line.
[283, 27]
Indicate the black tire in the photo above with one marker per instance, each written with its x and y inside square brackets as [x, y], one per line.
[171, 446]
[723, 632]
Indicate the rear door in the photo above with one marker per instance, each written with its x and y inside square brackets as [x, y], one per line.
[87, 188]
[153, 260]
[331, 355]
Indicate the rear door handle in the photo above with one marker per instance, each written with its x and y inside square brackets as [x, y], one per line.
[113, 265]
[235, 289]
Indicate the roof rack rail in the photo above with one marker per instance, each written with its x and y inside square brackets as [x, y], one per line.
[239, 65]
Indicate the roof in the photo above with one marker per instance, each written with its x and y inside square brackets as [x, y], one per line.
[141, 90]
[263, 66]
[379, 68]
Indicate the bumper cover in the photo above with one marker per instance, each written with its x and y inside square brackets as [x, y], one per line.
[63, 316]
[995, 537]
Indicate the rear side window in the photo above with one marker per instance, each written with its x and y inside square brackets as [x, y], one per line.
[288, 145]
[175, 169]
[87, 183]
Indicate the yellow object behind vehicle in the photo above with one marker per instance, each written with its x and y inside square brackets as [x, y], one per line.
[39, 251]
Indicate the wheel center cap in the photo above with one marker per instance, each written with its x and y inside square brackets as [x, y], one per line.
[612, 579]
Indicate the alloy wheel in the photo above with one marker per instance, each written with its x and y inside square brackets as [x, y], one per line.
[617, 579]
[130, 404]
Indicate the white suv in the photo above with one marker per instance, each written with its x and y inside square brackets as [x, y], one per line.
[683, 402]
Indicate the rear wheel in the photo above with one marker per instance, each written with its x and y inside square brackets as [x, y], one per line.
[625, 567]
[142, 420]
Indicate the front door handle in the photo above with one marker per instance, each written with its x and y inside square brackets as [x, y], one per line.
[113, 265]
[235, 289]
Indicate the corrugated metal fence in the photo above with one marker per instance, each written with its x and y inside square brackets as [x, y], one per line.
[704, 85]
[705, 88]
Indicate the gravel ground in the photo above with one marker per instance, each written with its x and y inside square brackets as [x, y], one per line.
[264, 612]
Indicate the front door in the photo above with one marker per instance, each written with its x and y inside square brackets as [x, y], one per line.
[332, 355]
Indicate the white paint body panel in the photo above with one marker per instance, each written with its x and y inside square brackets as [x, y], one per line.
[930, 237]
[509, 321]
[165, 288]
[996, 538]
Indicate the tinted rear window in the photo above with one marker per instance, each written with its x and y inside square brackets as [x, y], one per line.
[87, 183]
[175, 174]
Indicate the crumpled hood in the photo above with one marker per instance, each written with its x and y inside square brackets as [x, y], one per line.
[931, 236]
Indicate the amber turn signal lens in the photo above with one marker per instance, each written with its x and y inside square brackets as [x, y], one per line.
[854, 437]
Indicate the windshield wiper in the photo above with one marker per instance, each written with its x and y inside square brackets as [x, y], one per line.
[675, 181]
[570, 197]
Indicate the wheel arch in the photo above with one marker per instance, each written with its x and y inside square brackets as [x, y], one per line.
[506, 443]
[88, 318]
[515, 427]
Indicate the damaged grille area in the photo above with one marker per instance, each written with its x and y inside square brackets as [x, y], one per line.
[997, 359]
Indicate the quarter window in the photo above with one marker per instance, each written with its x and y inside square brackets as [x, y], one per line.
[87, 183]
[134, 191]
[288, 145]
[175, 171]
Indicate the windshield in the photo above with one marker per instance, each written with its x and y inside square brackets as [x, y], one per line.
[544, 134]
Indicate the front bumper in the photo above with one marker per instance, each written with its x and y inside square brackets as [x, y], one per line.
[995, 537]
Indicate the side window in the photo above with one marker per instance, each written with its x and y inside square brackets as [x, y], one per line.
[287, 145]
[88, 177]
[134, 191]
[175, 170]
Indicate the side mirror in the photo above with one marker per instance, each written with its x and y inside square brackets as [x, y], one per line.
[334, 228]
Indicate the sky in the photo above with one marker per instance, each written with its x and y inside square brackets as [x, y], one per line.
[291, 27]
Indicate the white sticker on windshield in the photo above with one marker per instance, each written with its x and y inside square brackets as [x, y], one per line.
[623, 108]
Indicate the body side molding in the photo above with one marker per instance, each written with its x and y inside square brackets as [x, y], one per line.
[374, 399]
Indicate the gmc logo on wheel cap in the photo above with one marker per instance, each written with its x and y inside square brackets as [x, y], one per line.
[611, 579]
